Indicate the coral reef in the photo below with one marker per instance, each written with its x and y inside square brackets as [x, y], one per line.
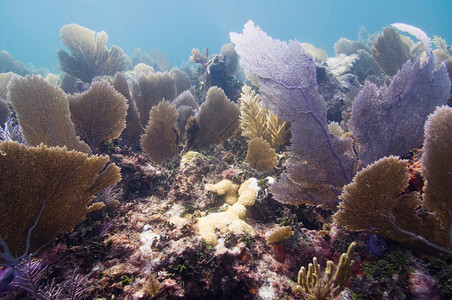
[258, 122]
[131, 134]
[140, 58]
[321, 164]
[225, 188]
[347, 47]
[161, 62]
[9, 64]
[335, 201]
[318, 54]
[142, 69]
[231, 59]
[437, 165]
[365, 67]
[181, 80]
[338, 85]
[381, 116]
[5, 79]
[186, 106]
[4, 112]
[217, 70]
[279, 234]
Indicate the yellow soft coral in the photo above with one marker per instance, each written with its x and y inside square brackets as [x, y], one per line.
[248, 192]
[232, 219]
[238, 209]
[226, 188]
[223, 221]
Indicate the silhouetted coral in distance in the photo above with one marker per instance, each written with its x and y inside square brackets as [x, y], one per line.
[89, 55]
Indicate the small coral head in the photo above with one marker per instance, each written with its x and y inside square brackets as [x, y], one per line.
[248, 192]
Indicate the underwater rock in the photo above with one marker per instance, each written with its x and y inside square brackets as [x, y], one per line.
[218, 75]
[338, 90]
[217, 70]
[365, 67]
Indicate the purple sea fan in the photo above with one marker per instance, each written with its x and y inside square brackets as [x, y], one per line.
[321, 163]
[389, 120]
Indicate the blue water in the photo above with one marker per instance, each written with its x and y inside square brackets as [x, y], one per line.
[29, 29]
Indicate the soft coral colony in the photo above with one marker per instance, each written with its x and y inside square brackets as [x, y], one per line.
[289, 178]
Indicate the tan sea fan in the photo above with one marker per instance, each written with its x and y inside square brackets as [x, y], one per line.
[218, 118]
[261, 156]
[374, 202]
[150, 89]
[99, 114]
[51, 181]
[160, 137]
[43, 113]
[132, 132]
[90, 56]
